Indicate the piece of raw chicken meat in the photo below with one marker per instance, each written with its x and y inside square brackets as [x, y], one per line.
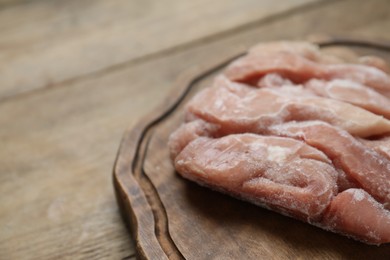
[298, 131]
[338, 89]
[252, 67]
[283, 173]
[355, 213]
[353, 93]
[381, 145]
[238, 108]
[364, 166]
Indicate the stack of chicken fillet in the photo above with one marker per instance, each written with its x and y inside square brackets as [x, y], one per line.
[298, 131]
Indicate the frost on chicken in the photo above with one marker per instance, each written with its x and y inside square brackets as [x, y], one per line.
[238, 107]
[298, 131]
[363, 165]
[353, 93]
[281, 172]
[355, 213]
[250, 68]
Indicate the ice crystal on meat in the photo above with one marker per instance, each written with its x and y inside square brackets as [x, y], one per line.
[299, 131]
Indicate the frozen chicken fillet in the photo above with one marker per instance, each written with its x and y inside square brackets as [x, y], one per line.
[250, 68]
[240, 108]
[353, 93]
[362, 165]
[380, 145]
[188, 132]
[298, 131]
[280, 172]
[355, 213]
[338, 89]
[343, 90]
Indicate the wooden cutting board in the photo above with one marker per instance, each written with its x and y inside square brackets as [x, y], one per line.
[173, 218]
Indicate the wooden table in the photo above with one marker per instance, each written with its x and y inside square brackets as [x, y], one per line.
[75, 74]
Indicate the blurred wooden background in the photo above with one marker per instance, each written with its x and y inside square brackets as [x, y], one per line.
[74, 74]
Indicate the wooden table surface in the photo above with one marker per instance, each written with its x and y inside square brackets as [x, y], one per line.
[74, 74]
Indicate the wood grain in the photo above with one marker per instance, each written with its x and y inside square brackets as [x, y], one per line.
[46, 42]
[58, 144]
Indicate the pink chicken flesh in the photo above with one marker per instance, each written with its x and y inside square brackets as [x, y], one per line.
[355, 213]
[299, 69]
[235, 106]
[298, 131]
[282, 172]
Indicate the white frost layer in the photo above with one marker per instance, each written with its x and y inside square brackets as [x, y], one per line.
[358, 194]
[277, 154]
